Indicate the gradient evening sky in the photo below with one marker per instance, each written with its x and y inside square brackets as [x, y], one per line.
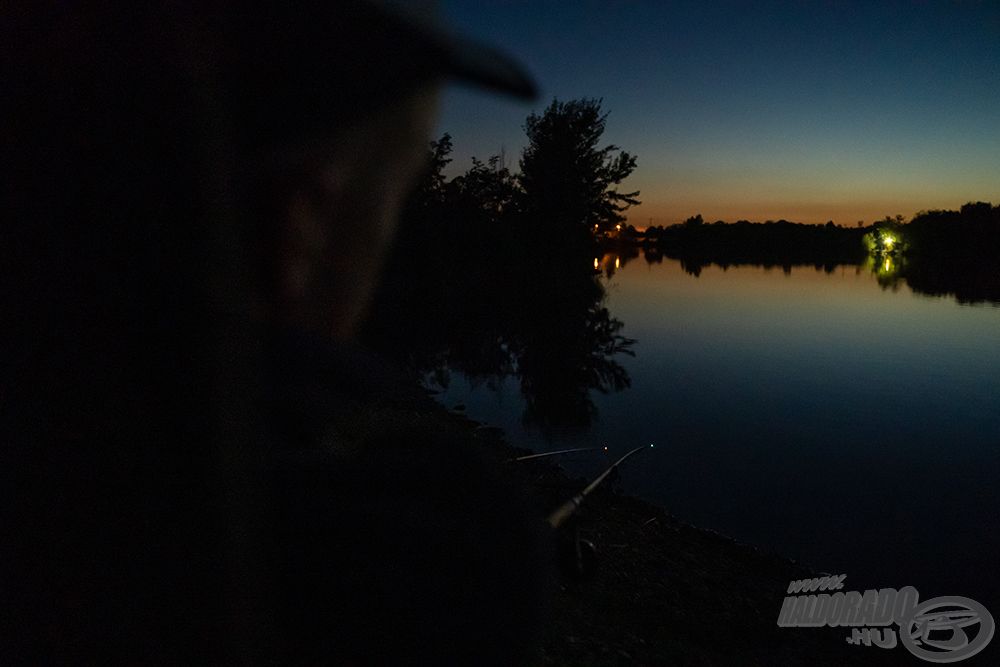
[807, 111]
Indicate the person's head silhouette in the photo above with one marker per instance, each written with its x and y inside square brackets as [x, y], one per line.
[182, 178]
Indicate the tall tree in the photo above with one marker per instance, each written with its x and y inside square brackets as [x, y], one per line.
[567, 178]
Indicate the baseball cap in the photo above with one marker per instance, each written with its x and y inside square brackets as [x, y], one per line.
[296, 67]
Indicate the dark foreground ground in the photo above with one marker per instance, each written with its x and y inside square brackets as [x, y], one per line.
[662, 592]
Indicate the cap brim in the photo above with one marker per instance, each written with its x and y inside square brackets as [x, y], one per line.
[463, 58]
[484, 65]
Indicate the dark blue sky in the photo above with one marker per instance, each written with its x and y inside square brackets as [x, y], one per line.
[807, 111]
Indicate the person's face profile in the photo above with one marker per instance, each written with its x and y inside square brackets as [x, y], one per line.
[340, 221]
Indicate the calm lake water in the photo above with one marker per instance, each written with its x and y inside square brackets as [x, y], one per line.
[815, 414]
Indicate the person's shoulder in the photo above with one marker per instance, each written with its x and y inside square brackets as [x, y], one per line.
[317, 390]
[407, 545]
[396, 517]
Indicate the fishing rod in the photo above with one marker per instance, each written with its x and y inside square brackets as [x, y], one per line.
[561, 451]
[559, 517]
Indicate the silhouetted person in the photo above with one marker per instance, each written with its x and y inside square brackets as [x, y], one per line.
[196, 208]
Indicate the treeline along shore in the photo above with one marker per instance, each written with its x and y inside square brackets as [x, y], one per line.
[745, 242]
[938, 252]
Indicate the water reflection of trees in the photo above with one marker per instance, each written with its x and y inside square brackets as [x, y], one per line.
[967, 280]
[504, 313]
[491, 278]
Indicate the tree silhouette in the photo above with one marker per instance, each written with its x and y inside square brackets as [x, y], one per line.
[484, 193]
[567, 179]
[491, 272]
[428, 198]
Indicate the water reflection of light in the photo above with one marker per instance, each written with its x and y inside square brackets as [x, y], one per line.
[618, 263]
[596, 263]
[888, 265]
